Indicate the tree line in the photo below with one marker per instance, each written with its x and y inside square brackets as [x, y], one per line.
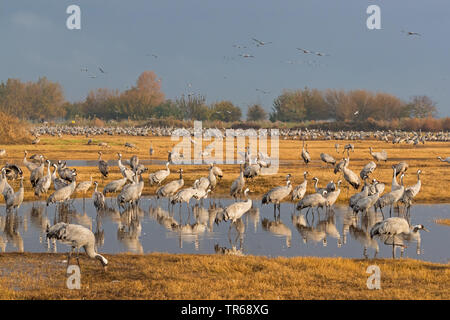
[44, 99]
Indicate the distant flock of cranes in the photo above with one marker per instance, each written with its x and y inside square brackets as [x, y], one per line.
[131, 185]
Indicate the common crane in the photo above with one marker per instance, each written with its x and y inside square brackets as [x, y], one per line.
[77, 237]
[159, 176]
[277, 194]
[392, 227]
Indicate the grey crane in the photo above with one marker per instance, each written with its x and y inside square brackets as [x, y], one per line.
[169, 189]
[338, 167]
[401, 168]
[8, 192]
[364, 203]
[237, 187]
[12, 171]
[305, 154]
[159, 176]
[126, 172]
[378, 156]
[17, 197]
[390, 198]
[98, 197]
[102, 166]
[30, 165]
[357, 196]
[132, 193]
[217, 172]
[299, 191]
[237, 209]
[325, 157]
[151, 151]
[445, 159]
[411, 192]
[336, 147]
[376, 186]
[37, 174]
[134, 162]
[44, 183]
[332, 196]
[395, 185]
[84, 186]
[62, 194]
[277, 194]
[64, 172]
[348, 147]
[315, 200]
[391, 227]
[184, 195]
[58, 183]
[318, 190]
[77, 237]
[350, 176]
[3, 181]
[114, 186]
[368, 169]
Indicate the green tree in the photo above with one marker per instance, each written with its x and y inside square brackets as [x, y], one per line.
[256, 113]
[225, 111]
[289, 107]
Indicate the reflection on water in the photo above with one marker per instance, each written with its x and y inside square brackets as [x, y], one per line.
[151, 226]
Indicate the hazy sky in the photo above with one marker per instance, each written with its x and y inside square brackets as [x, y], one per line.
[193, 41]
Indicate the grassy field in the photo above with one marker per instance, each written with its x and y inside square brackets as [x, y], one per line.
[215, 277]
[434, 173]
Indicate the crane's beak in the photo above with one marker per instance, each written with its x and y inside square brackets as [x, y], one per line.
[425, 229]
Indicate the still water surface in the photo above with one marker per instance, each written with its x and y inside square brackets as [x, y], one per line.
[152, 228]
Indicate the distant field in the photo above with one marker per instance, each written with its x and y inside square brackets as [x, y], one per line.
[435, 174]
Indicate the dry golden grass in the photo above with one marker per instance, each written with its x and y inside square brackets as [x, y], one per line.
[445, 222]
[434, 173]
[216, 277]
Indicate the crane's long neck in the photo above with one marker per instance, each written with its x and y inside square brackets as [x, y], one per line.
[90, 251]
[315, 184]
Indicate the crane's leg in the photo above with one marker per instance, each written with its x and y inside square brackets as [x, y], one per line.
[393, 247]
[69, 256]
[78, 260]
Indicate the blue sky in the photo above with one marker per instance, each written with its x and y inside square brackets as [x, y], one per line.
[194, 40]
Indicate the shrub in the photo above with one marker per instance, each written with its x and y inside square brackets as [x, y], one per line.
[13, 130]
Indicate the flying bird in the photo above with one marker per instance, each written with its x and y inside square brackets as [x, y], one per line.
[320, 54]
[259, 42]
[264, 92]
[410, 33]
[304, 50]
[246, 55]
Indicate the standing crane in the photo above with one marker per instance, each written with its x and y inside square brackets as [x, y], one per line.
[102, 166]
[277, 194]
